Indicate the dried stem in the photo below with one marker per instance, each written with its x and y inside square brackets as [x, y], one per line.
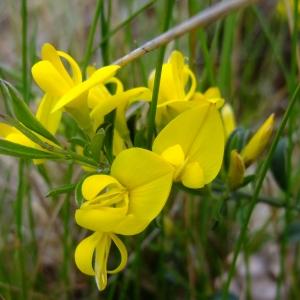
[202, 19]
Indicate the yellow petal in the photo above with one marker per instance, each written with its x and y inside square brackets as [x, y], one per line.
[129, 97]
[84, 253]
[6, 130]
[192, 176]
[118, 143]
[174, 155]
[192, 88]
[49, 120]
[258, 142]
[213, 92]
[228, 119]
[103, 219]
[174, 80]
[199, 132]
[148, 179]
[131, 225]
[98, 76]
[236, 170]
[135, 167]
[101, 258]
[13, 135]
[95, 184]
[76, 73]
[49, 79]
[123, 253]
[51, 54]
[146, 202]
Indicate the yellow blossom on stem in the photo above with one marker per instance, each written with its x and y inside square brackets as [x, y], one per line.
[193, 143]
[98, 245]
[236, 170]
[12, 134]
[64, 90]
[228, 119]
[212, 95]
[177, 86]
[124, 202]
[258, 142]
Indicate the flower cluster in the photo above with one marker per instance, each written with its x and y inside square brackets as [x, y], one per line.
[188, 149]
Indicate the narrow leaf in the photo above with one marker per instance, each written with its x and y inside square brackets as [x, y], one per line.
[13, 149]
[23, 113]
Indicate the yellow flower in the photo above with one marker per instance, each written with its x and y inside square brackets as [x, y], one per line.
[212, 95]
[128, 199]
[228, 119]
[258, 142]
[193, 143]
[12, 134]
[236, 170]
[177, 86]
[101, 102]
[64, 90]
[98, 244]
[124, 202]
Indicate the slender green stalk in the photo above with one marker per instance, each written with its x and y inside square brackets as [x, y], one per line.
[160, 59]
[258, 185]
[91, 36]
[24, 50]
[123, 24]
[66, 213]
[291, 129]
[272, 41]
[225, 72]
[19, 207]
[207, 57]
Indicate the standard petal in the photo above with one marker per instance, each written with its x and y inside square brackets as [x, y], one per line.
[199, 132]
[208, 147]
[49, 79]
[84, 253]
[146, 201]
[76, 73]
[131, 225]
[51, 54]
[136, 167]
[98, 76]
[192, 176]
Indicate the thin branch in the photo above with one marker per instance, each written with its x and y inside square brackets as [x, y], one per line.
[202, 19]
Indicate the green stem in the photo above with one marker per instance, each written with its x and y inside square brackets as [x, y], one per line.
[91, 36]
[24, 50]
[153, 104]
[257, 189]
[123, 24]
[19, 207]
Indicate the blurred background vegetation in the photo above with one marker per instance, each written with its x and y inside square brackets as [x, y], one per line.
[251, 55]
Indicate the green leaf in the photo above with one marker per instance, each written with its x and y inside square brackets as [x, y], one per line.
[78, 193]
[61, 190]
[13, 149]
[22, 113]
[279, 164]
